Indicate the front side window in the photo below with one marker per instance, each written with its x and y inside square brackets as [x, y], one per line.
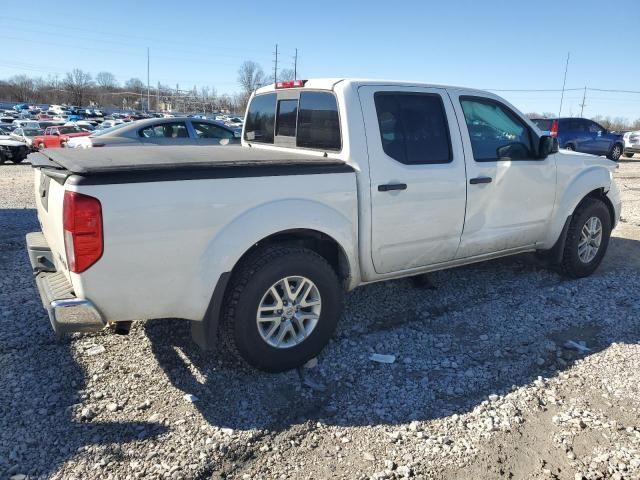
[318, 121]
[165, 130]
[208, 130]
[413, 127]
[495, 132]
[594, 128]
[260, 120]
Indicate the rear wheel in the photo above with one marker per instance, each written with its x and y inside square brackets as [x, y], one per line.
[628, 154]
[587, 238]
[615, 152]
[569, 146]
[282, 307]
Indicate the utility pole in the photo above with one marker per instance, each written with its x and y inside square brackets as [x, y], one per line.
[564, 83]
[148, 89]
[158, 98]
[275, 67]
[582, 105]
[295, 65]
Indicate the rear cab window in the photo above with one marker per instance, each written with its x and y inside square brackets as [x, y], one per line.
[295, 118]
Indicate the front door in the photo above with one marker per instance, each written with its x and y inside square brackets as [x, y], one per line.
[510, 192]
[417, 176]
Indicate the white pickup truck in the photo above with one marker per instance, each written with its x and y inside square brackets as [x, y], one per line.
[338, 183]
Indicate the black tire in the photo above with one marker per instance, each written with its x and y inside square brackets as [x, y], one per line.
[616, 152]
[2, 158]
[570, 147]
[251, 280]
[628, 154]
[572, 265]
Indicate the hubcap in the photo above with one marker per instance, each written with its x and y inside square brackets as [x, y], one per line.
[288, 312]
[616, 152]
[590, 239]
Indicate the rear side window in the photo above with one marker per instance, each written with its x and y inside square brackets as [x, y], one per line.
[413, 127]
[260, 120]
[165, 130]
[318, 121]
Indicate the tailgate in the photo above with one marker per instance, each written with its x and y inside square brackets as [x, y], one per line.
[49, 195]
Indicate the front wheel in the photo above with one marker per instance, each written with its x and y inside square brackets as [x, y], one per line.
[615, 152]
[628, 154]
[587, 239]
[282, 307]
[570, 147]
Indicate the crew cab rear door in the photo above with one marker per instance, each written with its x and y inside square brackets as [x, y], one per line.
[417, 176]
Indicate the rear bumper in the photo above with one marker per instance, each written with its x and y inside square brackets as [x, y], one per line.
[67, 313]
[634, 149]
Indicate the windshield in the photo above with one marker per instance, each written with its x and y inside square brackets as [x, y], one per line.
[32, 132]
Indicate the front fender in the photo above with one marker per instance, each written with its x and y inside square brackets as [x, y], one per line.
[576, 189]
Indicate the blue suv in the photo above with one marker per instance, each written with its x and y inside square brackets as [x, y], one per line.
[583, 135]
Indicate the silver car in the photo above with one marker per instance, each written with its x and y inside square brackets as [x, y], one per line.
[161, 131]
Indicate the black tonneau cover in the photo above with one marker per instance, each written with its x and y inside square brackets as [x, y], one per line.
[148, 164]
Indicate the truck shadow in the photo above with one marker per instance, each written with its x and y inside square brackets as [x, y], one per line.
[43, 388]
[451, 347]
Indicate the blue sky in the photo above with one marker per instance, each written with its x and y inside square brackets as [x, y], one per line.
[484, 44]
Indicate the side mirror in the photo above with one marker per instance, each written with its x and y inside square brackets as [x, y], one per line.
[547, 146]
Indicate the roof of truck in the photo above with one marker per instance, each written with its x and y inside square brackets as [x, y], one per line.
[330, 83]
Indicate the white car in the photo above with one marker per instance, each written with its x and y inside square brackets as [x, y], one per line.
[25, 134]
[631, 143]
[338, 183]
[26, 123]
[236, 122]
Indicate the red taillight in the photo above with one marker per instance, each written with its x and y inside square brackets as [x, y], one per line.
[290, 84]
[82, 220]
[554, 129]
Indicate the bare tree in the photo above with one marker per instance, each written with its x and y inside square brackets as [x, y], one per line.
[78, 83]
[250, 77]
[22, 87]
[286, 74]
[134, 85]
[106, 80]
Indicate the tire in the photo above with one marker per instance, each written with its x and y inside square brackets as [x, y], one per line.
[628, 155]
[249, 288]
[572, 264]
[615, 152]
[570, 147]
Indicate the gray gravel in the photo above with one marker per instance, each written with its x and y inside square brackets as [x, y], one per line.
[484, 384]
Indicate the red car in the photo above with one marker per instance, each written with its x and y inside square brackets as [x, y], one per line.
[55, 137]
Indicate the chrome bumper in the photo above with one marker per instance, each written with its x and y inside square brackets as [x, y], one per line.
[67, 313]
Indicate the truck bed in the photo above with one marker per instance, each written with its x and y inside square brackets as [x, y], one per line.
[147, 164]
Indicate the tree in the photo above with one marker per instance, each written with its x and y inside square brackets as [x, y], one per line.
[106, 80]
[134, 85]
[78, 83]
[286, 74]
[22, 87]
[250, 77]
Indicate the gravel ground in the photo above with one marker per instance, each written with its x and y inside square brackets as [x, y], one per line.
[483, 384]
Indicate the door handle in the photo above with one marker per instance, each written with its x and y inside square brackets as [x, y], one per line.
[476, 181]
[392, 186]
